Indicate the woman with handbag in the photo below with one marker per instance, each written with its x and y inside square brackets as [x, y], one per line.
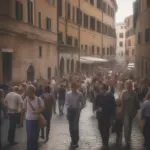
[33, 106]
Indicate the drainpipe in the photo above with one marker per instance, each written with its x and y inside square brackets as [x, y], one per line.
[79, 35]
[58, 44]
[102, 40]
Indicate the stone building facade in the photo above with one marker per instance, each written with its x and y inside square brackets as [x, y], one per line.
[121, 36]
[28, 39]
[86, 28]
[130, 40]
[142, 27]
[39, 38]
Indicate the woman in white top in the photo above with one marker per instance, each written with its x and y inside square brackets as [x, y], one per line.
[33, 106]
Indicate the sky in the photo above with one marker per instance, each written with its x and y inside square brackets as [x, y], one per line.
[125, 8]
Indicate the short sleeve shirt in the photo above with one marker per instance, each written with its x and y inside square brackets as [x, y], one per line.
[36, 103]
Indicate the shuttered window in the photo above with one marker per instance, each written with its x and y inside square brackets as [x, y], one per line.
[19, 11]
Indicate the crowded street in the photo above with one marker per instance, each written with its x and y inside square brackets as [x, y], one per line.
[74, 74]
[60, 138]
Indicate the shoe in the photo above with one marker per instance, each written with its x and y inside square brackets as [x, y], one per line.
[42, 137]
[104, 148]
[46, 140]
[74, 145]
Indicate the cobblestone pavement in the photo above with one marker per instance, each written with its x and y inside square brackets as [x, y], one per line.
[89, 135]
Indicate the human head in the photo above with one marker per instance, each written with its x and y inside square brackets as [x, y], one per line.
[31, 91]
[16, 89]
[129, 85]
[47, 89]
[74, 86]
[1, 93]
[103, 87]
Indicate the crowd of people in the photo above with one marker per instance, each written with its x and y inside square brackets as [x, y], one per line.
[31, 101]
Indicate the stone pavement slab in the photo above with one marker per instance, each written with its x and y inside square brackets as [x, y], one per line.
[60, 138]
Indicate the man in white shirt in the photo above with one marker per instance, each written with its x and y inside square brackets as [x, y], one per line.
[74, 104]
[14, 104]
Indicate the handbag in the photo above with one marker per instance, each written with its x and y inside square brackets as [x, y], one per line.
[42, 121]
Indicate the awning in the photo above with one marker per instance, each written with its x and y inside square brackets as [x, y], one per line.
[92, 59]
[83, 61]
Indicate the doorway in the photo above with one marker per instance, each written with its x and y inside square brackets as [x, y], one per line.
[30, 73]
[7, 66]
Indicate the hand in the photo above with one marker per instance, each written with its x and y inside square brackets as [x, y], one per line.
[20, 125]
[100, 109]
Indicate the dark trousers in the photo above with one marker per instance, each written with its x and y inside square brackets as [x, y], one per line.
[146, 133]
[18, 118]
[61, 104]
[13, 120]
[32, 128]
[104, 126]
[73, 118]
[54, 106]
[47, 116]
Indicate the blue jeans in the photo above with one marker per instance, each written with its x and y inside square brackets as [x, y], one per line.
[32, 128]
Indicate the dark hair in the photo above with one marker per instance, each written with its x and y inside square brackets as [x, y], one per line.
[74, 84]
[105, 87]
[47, 88]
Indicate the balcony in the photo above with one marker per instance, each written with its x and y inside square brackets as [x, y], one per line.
[65, 48]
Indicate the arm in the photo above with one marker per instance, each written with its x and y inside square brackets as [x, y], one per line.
[82, 101]
[24, 109]
[41, 104]
[66, 101]
[137, 102]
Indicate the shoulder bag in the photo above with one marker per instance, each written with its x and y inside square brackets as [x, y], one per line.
[42, 121]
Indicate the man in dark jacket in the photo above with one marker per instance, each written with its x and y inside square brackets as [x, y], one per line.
[105, 111]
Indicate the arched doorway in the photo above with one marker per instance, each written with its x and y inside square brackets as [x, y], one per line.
[30, 73]
[68, 65]
[72, 66]
[77, 66]
[49, 73]
[62, 67]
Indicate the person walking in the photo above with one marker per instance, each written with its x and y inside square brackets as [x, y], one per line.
[33, 106]
[47, 113]
[14, 105]
[61, 98]
[130, 106]
[145, 121]
[105, 112]
[74, 104]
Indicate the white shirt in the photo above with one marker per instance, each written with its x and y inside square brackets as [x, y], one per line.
[13, 102]
[74, 100]
[29, 111]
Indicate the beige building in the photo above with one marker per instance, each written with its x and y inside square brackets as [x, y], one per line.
[85, 29]
[130, 40]
[28, 37]
[142, 26]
